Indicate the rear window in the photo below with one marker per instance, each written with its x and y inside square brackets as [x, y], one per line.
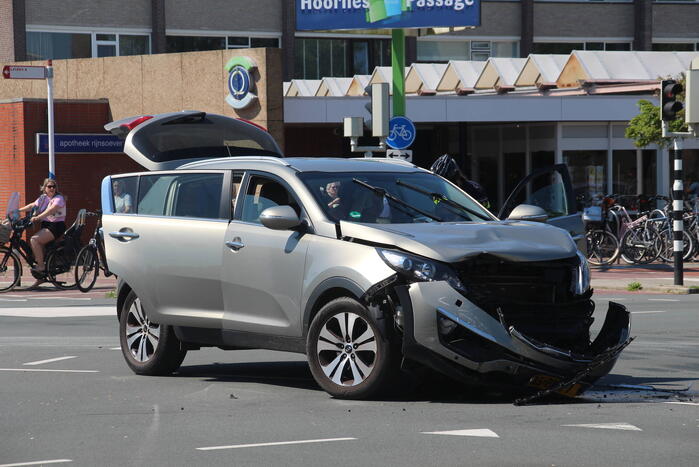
[200, 136]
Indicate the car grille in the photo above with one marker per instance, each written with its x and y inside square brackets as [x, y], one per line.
[534, 297]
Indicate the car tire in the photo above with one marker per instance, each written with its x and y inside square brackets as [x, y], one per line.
[349, 355]
[149, 348]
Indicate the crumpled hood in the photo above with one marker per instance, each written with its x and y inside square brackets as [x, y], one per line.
[454, 242]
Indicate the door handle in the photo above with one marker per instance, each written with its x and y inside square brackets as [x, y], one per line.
[124, 235]
[235, 244]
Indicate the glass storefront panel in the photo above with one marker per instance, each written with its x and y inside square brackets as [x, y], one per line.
[649, 183]
[485, 161]
[514, 157]
[58, 45]
[588, 174]
[624, 172]
[264, 42]
[360, 57]
[442, 51]
[194, 43]
[133, 45]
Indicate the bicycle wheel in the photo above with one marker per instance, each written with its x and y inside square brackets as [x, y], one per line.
[639, 245]
[86, 268]
[10, 269]
[667, 250]
[59, 268]
[602, 247]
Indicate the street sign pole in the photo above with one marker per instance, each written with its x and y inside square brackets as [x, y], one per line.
[398, 69]
[52, 150]
[677, 211]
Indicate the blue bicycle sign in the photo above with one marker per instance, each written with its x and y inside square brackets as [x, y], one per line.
[401, 132]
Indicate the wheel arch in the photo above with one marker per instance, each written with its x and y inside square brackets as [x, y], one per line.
[326, 291]
[123, 292]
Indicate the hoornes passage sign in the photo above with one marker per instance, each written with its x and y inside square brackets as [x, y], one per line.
[385, 14]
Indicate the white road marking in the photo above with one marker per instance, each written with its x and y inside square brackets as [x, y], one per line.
[48, 371]
[62, 298]
[684, 278]
[662, 300]
[609, 426]
[52, 461]
[281, 443]
[683, 403]
[60, 311]
[483, 433]
[13, 299]
[646, 312]
[57, 359]
[115, 348]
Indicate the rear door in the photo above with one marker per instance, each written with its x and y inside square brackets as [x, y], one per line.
[168, 248]
[551, 189]
[167, 141]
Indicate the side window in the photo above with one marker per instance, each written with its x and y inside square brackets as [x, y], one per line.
[181, 195]
[263, 193]
[197, 195]
[547, 191]
[124, 194]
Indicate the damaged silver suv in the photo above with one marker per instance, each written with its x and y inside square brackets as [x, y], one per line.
[364, 265]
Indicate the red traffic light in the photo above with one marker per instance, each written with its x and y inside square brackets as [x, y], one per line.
[669, 105]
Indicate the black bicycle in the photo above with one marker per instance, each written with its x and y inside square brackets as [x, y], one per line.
[91, 258]
[59, 258]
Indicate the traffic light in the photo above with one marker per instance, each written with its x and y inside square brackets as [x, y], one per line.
[669, 105]
[378, 108]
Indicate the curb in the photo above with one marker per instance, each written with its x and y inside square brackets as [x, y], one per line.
[668, 289]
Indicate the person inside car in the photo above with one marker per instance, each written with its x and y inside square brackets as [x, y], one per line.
[51, 212]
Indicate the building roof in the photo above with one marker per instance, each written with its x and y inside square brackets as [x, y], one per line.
[540, 69]
[460, 74]
[303, 87]
[422, 78]
[334, 87]
[359, 82]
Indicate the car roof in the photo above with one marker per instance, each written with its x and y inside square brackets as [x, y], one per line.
[308, 164]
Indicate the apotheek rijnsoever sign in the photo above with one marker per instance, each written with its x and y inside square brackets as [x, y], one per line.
[386, 14]
[69, 143]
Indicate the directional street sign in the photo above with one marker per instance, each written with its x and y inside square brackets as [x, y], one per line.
[23, 72]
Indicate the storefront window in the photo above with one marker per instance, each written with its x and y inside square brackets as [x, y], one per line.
[588, 174]
[624, 172]
[133, 45]
[320, 58]
[194, 43]
[443, 51]
[649, 184]
[58, 45]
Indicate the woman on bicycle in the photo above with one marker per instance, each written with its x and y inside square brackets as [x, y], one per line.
[51, 211]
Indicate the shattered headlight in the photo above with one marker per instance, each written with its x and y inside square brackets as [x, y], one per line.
[581, 276]
[420, 269]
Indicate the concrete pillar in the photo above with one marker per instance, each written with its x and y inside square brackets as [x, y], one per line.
[288, 38]
[643, 25]
[526, 42]
[158, 24]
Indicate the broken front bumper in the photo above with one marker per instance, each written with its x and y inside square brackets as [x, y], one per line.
[447, 332]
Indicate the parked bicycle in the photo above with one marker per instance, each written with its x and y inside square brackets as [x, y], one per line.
[91, 258]
[60, 254]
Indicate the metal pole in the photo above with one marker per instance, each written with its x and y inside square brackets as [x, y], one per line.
[398, 69]
[677, 211]
[52, 153]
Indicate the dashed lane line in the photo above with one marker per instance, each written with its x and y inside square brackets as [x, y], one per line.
[52, 461]
[50, 360]
[684, 403]
[608, 426]
[646, 312]
[59, 312]
[46, 370]
[663, 300]
[280, 443]
[482, 433]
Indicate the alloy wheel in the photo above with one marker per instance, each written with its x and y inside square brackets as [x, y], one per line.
[142, 335]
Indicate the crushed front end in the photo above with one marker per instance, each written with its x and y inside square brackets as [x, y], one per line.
[507, 323]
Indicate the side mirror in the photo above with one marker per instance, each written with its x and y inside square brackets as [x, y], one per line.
[528, 212]
[280, 218]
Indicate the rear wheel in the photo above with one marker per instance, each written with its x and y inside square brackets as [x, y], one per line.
[149, 348]
[10, 270]
[59, 268]
[602, 247]
[86, 268]
[349, 355]
[667, 250]
[639, 245]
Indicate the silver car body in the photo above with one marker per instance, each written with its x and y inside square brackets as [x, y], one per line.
[232, 283]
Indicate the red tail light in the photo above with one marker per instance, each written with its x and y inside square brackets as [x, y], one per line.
[253, 123]
[137, 122]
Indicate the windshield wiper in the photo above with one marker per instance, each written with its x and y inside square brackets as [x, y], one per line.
[381, 192]
[438, 198]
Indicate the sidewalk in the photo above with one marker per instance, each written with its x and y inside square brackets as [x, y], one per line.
[654, 278]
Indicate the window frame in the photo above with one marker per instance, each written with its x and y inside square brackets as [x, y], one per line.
[93, 32]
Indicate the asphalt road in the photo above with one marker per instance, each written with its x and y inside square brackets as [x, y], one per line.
[66, 396]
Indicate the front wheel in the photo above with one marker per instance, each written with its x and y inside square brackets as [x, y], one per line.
[149, 348]
[59, 268]
[10, 269]
[86, 268]
[349, 355]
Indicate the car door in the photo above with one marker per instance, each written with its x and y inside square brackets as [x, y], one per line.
[551, 189]
[263, 269]
[168, 248]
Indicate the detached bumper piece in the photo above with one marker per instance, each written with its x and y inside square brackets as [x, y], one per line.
[532, 363]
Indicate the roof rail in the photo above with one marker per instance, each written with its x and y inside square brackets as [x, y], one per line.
[386, 160]
[202, 163]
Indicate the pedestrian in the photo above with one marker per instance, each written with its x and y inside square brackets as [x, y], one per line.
[51, 212]
[447, 167]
